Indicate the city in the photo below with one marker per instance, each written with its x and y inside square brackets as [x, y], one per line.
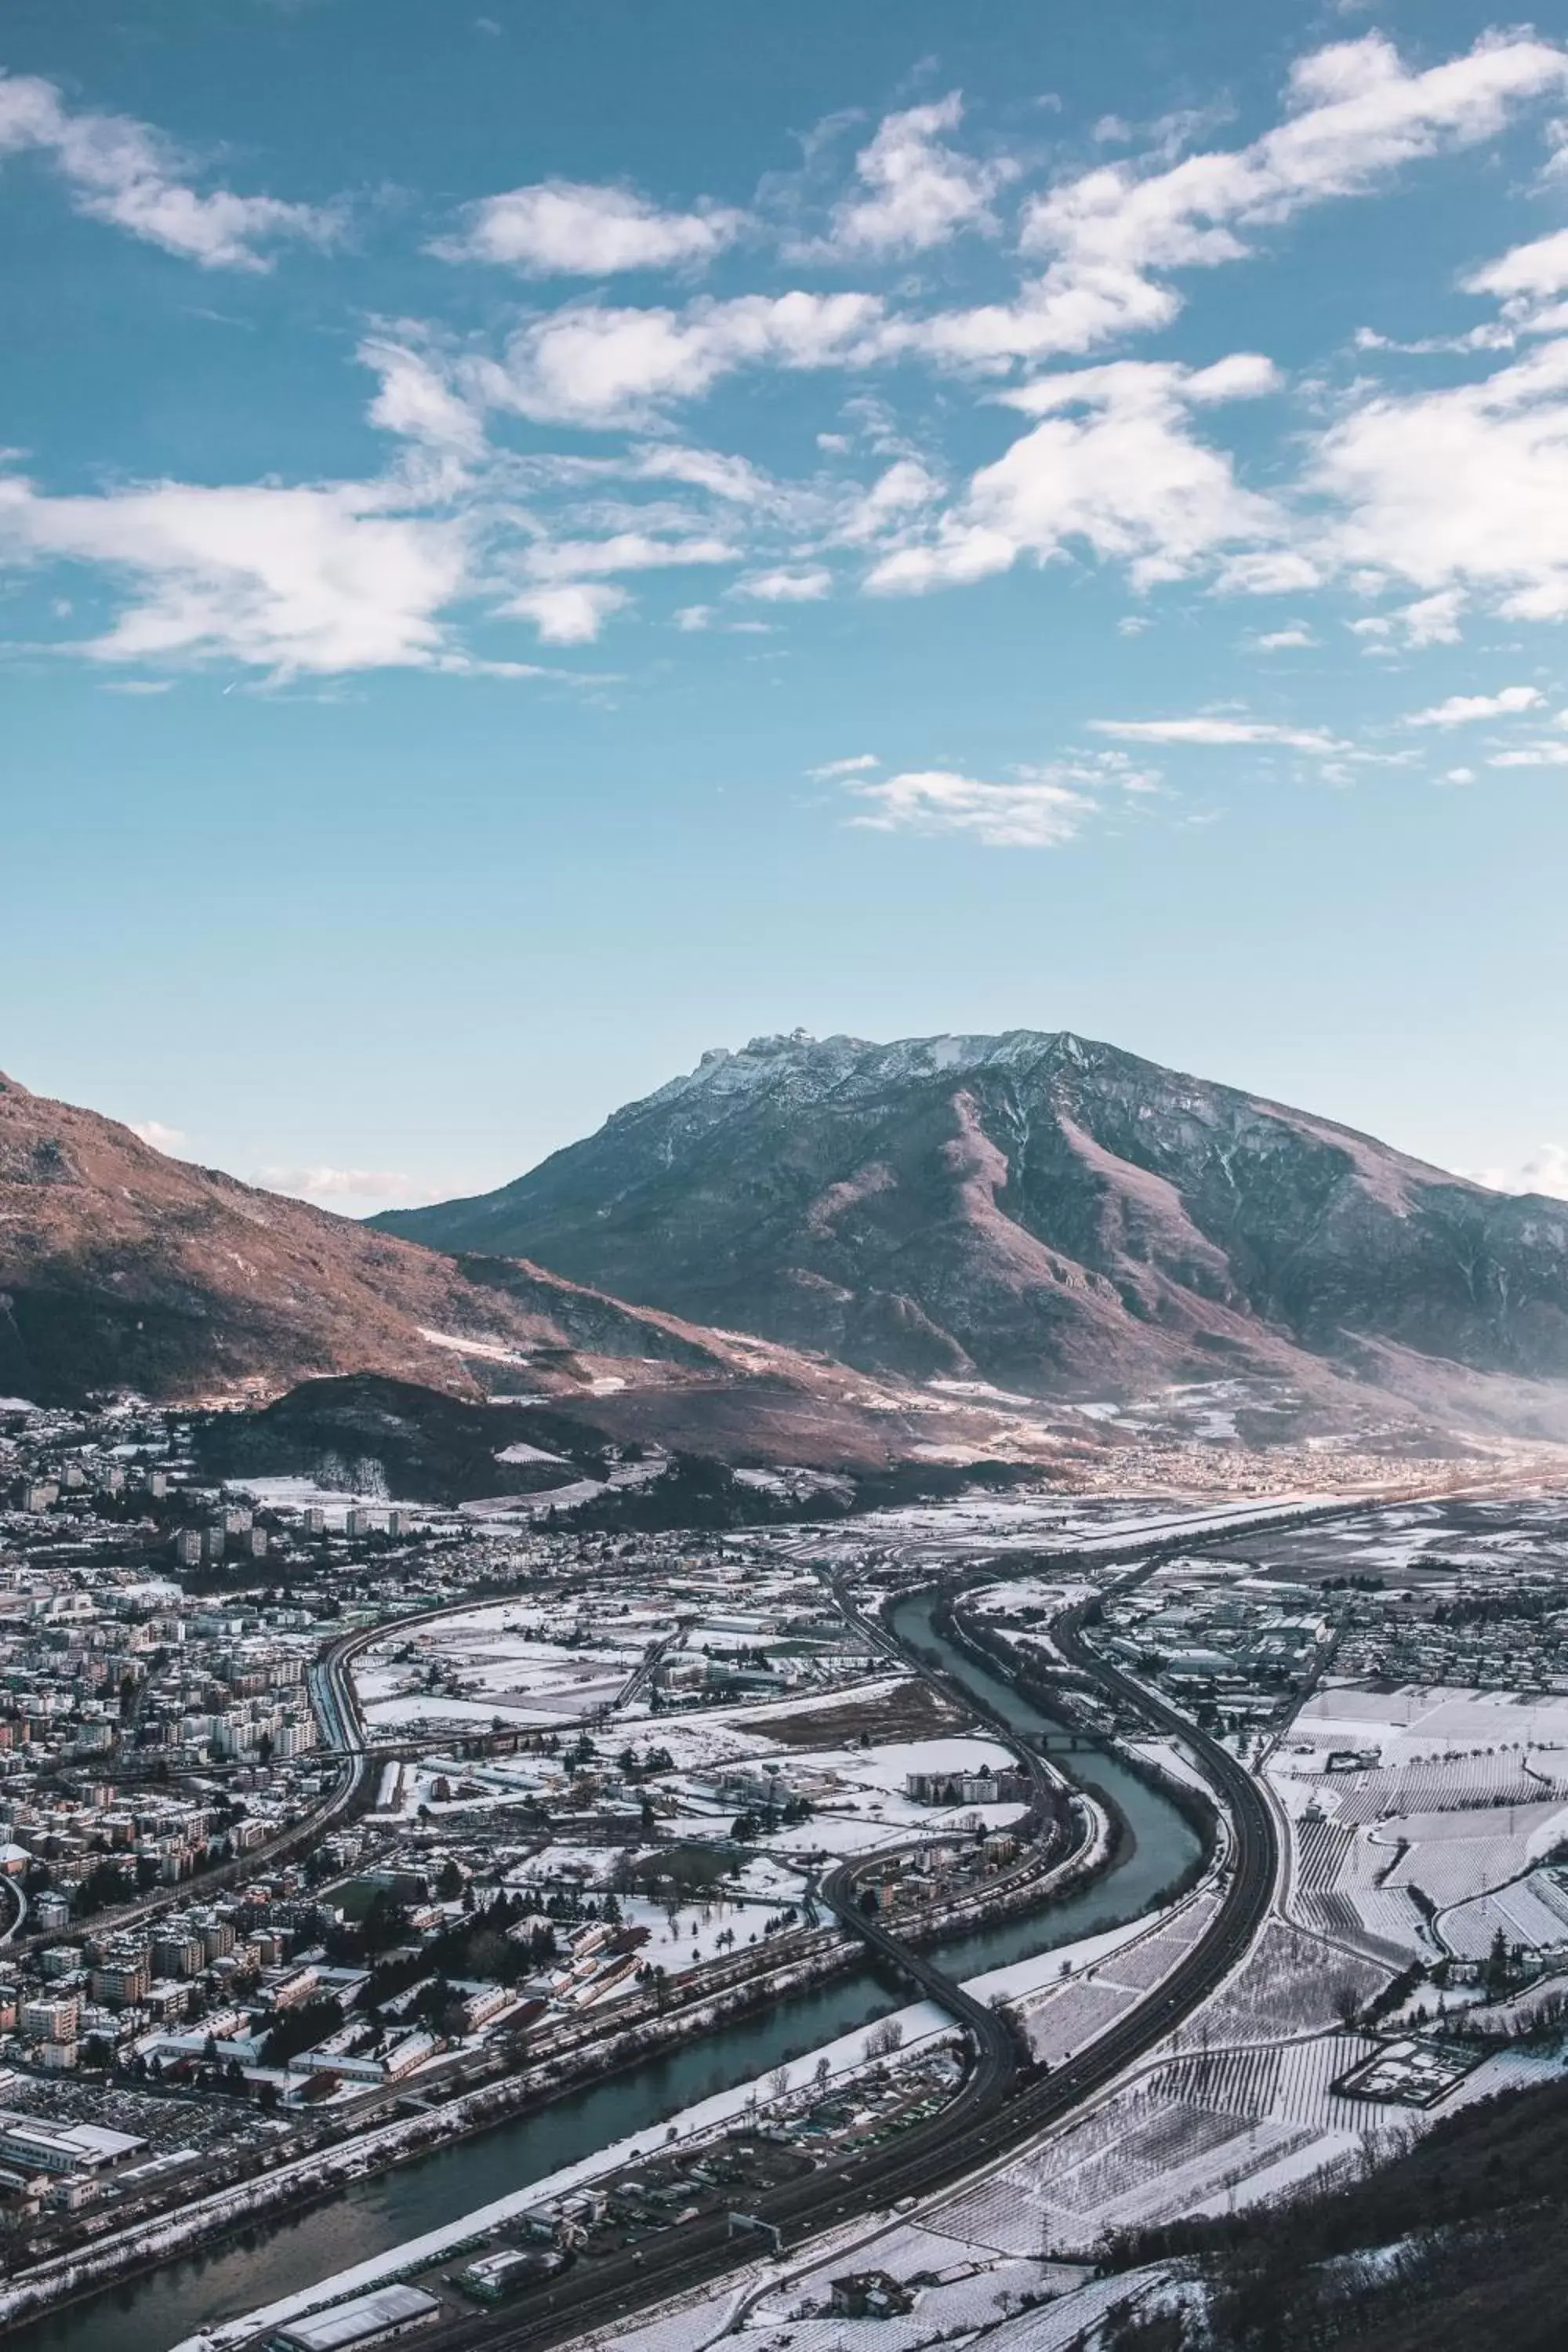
[337, 1831]
[783, 1177]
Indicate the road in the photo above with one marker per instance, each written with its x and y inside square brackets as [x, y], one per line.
[1000, 2107]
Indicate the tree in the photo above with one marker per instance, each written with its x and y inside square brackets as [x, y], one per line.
[386, 1922]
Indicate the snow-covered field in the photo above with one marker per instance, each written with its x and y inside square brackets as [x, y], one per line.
[492, 1662]
[1469, 1790]
[1048, 1520]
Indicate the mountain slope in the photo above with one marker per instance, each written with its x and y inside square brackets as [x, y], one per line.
[1047, 1212]
[121, 1267]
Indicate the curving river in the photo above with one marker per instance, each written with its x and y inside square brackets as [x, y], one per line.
[281, 2256]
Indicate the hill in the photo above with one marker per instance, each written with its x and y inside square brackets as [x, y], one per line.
[120, 1267]
[1458, 2244]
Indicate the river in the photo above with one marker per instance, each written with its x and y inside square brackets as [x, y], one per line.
[280, 2257]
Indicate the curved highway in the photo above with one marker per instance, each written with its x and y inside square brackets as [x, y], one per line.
[1001, 2104]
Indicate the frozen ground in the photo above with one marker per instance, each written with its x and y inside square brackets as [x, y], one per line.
[1469, 1792]
[1047, 1521]
[494, 1662]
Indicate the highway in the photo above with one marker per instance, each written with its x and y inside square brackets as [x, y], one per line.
[1001, 2105]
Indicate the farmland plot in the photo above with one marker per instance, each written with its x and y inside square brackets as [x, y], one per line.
[1289, 1984]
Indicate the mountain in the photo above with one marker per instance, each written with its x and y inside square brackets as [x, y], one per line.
[121, 1267]
[1038, 1211]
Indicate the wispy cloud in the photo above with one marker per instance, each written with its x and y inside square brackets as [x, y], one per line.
[1464, 710]
[914, 191]
[1036, 808]
[575, 228]
[337, 1184]
[124, 172]
[570, 614]
[1546, 1171]
[1355, 114]
[1114, 465]
[318, 580]
[858, 764]
[1280, 640]
[788, 586]
[1220, 733]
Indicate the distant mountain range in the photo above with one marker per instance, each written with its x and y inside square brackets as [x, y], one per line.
[1037, 1210]
[839, 1254]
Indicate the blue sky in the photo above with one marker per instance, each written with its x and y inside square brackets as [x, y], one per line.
[537, 541]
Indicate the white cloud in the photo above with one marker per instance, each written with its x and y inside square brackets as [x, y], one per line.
[153, 1131]
[1114, 465]
[1027, 815]
[569, 228]
[1523, 278]
[1461, 710]
[1546, 1171]
[626, 551]
[344, 1183]
[1432, 620]
[721, 475]
[1542, 755]
[124, 172]
[1220, 732]
[1269, 571]
[919, 191]
[1355, 114]
[310, 579]
[1040, 809]
[1458, 775]
[571, 615]
[1280, 640]
[788, 587]
[1460, 489]
[600, 367]
[906, 488]
[856, 766]
[418, 402]
[692, 619]
[1429, 621]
